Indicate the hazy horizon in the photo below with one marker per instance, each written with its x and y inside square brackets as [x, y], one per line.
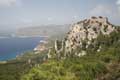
[18, 13]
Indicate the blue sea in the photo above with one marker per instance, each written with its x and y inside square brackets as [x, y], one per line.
[10, 47]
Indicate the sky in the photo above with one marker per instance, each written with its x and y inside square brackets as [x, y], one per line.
[18, 13]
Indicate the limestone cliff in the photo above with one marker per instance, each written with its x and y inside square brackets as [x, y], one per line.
[81, 36]
[87, 29]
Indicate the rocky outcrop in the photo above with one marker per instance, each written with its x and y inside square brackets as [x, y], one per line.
[87, 30]
[81, 36]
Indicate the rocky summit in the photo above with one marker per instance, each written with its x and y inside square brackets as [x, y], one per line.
[82, 34]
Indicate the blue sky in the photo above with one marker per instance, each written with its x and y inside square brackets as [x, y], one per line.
[20, 13]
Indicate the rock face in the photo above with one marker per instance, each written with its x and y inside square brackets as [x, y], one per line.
[87, 29]
[82, 35]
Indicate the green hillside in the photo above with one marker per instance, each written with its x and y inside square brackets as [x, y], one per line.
[103, 65]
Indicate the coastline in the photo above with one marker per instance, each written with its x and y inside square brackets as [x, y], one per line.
[23, 52]
[41, 46]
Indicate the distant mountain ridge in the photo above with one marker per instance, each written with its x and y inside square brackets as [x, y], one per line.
[45, 30]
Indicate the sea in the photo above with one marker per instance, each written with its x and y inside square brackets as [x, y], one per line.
[10, 47]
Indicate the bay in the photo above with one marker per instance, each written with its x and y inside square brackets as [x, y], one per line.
[10, 47]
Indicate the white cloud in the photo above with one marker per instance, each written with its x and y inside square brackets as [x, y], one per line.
[8, 3]
[75, 17]
[101, 10]
[107, 11]
[25, 20]
[49, 18]
[118, 4]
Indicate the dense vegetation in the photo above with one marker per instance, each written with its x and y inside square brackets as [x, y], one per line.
[103, 65]
[14, 69]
